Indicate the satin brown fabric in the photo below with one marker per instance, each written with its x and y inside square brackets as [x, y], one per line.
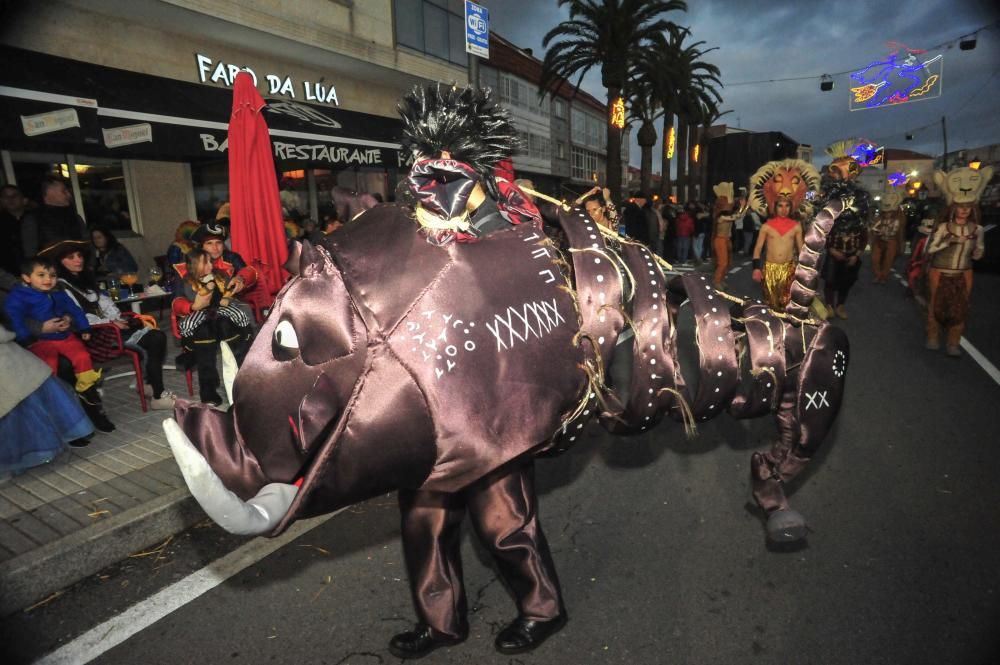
[503, 508]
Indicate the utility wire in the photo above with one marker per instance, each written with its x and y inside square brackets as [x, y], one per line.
[936, 47]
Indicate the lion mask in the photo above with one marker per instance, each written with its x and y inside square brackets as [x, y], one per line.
[963, 185]
[891, 200]
[789, 178]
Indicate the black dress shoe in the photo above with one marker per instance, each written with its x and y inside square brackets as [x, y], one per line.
[419, 642]
[523, 635]
[212, 398]
[82, 442]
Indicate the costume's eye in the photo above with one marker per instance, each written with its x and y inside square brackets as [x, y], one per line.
[285, 337]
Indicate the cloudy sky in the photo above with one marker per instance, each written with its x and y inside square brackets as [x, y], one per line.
[760, 41]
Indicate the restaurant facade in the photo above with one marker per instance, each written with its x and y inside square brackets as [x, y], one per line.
[129, 101]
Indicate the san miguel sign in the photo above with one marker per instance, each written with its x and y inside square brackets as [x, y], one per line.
[277, 84]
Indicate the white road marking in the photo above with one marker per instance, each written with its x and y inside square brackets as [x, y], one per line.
[974, 353]
[116, 630]
[735, 270]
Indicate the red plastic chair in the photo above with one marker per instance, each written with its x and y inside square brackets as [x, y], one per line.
[106, 344]
[175, 329]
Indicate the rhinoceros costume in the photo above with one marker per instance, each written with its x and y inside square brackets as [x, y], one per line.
[398, 358]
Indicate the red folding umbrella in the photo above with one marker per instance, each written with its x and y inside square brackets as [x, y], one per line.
[258, 230]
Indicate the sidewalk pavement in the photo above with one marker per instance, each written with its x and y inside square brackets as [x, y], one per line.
[93, 506]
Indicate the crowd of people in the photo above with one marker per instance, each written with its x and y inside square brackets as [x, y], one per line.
[56, 312]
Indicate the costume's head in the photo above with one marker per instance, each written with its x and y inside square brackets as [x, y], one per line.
[457, 136]
[891, 200]
[723, 197]
[793, 179]
[964, 184]
[844, 166]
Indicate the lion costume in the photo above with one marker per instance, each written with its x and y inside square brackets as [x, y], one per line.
[885, 235]
[953, 246]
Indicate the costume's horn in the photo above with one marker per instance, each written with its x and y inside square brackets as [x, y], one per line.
[257, 516]
[229, 369]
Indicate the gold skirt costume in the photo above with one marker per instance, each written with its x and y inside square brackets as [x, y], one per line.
[777, 283]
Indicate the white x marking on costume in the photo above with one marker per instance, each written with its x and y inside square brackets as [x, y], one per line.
[817, 400]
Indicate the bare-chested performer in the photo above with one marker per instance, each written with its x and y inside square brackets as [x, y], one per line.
[780, 239]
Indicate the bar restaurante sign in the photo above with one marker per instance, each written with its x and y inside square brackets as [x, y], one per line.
[277, 84]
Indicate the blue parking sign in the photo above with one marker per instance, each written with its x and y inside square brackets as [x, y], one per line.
[477, 30]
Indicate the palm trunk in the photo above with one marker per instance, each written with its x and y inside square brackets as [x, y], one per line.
[614, 149]
[665, 189]
[647, 139]
[682, 159]
[703, 160]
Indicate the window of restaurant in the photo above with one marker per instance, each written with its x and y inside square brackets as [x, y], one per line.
[434, 27]
[101, 188]
[303, 192]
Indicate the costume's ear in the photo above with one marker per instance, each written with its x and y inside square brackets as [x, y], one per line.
[939, 177]
[294, 257]
[987, 172]
[314, 260]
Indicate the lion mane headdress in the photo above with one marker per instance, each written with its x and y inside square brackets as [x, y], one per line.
[964, 184]
[793, 179]
[843, 159]
[466, 122]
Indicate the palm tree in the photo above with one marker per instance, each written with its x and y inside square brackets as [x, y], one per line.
[644, 108]
[608, 34]
[686, 87]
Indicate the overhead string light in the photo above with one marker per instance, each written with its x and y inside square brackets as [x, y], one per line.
[965, 42]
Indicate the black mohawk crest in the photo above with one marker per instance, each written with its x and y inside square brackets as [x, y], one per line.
[466, 122]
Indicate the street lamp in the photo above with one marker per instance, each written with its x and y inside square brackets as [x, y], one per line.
[826, 83]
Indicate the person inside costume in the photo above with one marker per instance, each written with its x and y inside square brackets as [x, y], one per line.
[80, 285]
[457, 136]
[207, 316]
[886, 234]
[39, 414]
[37, 302]
[847, 241]
[722, 232]
[781, 190]
[953, 246]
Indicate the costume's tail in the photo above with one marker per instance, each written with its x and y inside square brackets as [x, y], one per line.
[807, 272]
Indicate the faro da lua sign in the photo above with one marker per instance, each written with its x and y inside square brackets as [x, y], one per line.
[277, 84]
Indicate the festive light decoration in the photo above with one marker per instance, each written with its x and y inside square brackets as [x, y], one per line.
[867, 153]
[671, 142]
[897, 179]
[975, 164]
[618, 113]
[894, 80]
[695, 153]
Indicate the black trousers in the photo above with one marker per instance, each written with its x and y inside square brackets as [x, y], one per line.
[204, 343]
[839, 277]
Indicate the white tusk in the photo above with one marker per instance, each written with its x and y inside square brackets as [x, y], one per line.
[229, 369]
[251, 518]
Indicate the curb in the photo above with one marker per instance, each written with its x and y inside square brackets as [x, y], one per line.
[34, 575]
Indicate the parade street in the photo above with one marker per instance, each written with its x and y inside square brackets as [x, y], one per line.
[660, 551]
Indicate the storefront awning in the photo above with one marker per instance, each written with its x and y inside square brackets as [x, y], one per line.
[131, 115]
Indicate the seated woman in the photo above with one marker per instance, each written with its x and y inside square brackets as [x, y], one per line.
[39, 414]
[208, 316]
[110, 256]
[81, 285]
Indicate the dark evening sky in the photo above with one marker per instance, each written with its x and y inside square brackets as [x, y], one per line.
[764, 41]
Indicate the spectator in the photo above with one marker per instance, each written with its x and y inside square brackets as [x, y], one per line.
[38, 412]
[640, 221]
[328, 224]
[13, 206]
[177, 251]
[685, 229]
[751, 226]
[81, 285]
[702, 228]
[110, 257]
[36, 305]
[207, 316]
[54, 220]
